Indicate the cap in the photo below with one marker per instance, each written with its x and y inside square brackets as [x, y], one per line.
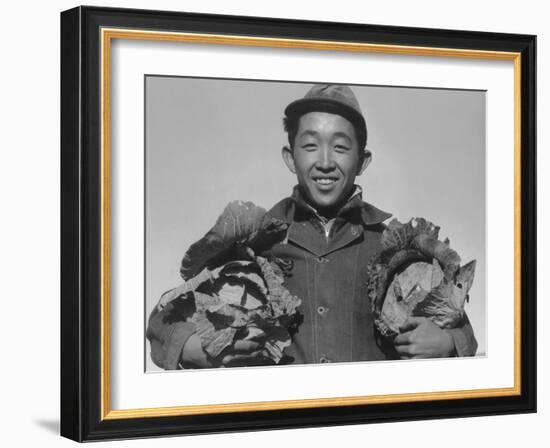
[332, 98]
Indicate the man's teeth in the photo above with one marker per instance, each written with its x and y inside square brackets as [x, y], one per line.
[325, 181]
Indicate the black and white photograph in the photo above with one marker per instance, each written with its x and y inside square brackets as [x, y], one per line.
[291, 223]
[279, 224]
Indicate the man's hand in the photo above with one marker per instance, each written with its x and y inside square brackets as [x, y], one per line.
[421, 338]
[242, 353]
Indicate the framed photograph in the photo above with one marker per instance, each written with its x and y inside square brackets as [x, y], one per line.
[275, 224]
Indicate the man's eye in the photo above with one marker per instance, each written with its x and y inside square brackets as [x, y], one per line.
[309, 146]
[341, 148]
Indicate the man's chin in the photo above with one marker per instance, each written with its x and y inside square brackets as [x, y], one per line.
[324, 201]
[324, 204]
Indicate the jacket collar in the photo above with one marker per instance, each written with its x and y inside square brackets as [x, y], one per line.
[368, 214]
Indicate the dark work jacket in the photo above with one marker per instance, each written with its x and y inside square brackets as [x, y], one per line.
[328, 274]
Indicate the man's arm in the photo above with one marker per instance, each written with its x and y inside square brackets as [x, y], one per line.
[168, 332]
[464, 340]
[174, 343]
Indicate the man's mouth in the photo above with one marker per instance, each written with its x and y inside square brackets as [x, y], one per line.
[328, 180]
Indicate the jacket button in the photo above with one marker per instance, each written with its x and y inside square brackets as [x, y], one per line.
[322, 260]
[354, 231]
[322, 310]
[324, 359]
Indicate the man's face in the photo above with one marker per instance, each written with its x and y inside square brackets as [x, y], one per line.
[325, 159]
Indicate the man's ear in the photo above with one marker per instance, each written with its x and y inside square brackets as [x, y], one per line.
[288, 157]
[367, 157]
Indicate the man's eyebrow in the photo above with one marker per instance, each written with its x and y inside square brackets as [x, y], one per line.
[315, 133]
[308, 132]
[344, 135]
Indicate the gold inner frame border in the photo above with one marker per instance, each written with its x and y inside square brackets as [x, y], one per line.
[107, 35]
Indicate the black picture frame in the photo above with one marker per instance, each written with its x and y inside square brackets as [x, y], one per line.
[82, 406]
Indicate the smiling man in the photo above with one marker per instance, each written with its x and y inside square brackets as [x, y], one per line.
[332, 235]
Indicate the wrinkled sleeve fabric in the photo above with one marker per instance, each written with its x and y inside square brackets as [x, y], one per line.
[168, 332]
[464, 339]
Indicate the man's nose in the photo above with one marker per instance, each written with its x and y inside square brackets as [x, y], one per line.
[325, 161]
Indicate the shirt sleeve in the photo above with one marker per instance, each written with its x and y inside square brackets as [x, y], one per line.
[464, 339]
[168, 332]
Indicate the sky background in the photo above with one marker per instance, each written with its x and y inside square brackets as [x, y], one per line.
[211, 141]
